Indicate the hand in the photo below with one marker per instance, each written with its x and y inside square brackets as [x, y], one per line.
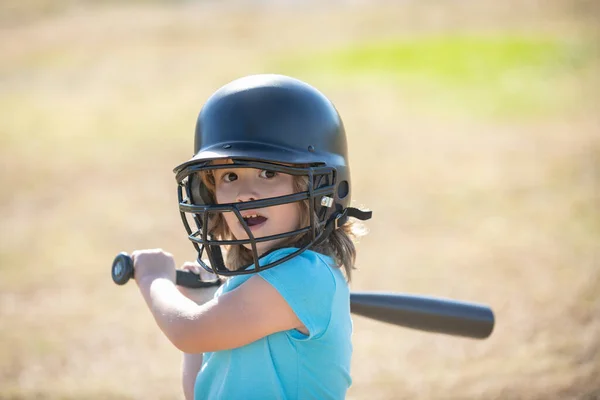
[199, 296]
[194, 267]
[153, 264]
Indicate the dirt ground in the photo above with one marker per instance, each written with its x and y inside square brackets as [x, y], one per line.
[475, 197]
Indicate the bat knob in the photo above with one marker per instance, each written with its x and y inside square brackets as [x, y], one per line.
[122, 268]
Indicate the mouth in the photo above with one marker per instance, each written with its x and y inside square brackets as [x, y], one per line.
[254, 221]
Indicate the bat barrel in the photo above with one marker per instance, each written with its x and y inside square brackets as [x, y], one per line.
[425, 313]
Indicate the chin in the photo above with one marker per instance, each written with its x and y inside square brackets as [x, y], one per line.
[260, 249]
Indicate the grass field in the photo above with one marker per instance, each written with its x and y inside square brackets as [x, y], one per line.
[474, 136]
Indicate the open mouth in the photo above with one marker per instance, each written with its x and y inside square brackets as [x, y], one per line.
[254, 220]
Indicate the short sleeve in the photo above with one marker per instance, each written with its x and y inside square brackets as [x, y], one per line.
[307, 284]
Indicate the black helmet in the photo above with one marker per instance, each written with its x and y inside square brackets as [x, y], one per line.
[269, 122]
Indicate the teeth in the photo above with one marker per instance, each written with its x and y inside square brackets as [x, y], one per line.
[250, 216]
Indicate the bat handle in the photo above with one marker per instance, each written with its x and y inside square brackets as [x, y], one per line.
[122, 272]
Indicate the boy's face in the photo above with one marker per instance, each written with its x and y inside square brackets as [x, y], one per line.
[245, 184]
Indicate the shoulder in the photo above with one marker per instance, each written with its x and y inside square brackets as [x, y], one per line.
[306, 266]
[307, 283]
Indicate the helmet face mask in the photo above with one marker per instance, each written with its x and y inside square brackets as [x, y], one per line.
[195, 200]
[270, 122]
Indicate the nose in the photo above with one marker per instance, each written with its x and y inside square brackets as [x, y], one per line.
[246, 192]
[242, 198]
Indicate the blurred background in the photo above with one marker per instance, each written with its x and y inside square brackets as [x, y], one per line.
[474, 136]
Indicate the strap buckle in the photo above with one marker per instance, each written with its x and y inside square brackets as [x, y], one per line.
[336, 225]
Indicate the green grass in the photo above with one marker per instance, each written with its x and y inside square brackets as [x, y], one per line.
[495, 75]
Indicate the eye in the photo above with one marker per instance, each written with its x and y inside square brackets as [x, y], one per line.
[229, 177]
[265, 173]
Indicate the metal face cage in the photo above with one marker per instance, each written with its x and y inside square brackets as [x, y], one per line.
[197, 209]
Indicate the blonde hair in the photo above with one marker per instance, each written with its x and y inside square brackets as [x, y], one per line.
[339, 245]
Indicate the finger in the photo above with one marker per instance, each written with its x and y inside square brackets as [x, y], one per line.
[207, 276]
[192, 267]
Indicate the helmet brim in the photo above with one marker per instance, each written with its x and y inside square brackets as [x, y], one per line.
[254, 151]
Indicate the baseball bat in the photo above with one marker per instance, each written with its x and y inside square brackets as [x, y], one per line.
[425, 313]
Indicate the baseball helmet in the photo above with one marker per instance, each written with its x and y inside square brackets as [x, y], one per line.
[276, 123]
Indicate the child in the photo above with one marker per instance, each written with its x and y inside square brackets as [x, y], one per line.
[269, 183]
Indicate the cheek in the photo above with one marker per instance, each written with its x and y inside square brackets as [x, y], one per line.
[222, 196]
[230, 218]
[291, 214]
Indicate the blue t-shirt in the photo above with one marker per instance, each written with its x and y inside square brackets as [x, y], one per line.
[289, 364]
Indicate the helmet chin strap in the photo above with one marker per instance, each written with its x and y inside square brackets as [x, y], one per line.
[339, 219]
[336, 221]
